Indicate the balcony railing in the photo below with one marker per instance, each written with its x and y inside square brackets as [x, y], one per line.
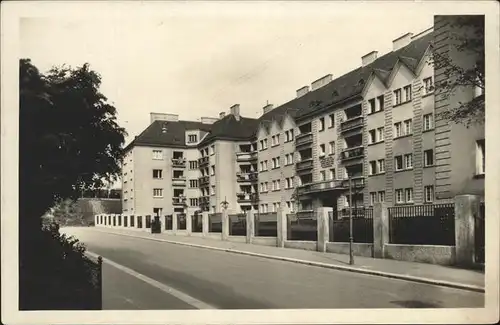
[246, 156]
[204, 180]
[304, 164]
[179, 181]
[179, 162]
[243, 197]
[356, 182]
[179, 200]
[246, 176]
[303, 138]
[320, 186]
[352, 153]
[352, 123]
[203, 161]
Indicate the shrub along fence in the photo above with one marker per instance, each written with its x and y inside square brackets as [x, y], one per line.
[362, 225]
[237, 224]
[266, 224]
[422, 224]
[302, 226]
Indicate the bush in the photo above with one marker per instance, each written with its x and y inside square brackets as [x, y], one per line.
[56, 275]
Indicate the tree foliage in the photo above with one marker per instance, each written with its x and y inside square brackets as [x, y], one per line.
[466, 39]
[69, 138]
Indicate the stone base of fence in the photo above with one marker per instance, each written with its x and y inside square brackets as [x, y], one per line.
[382, 243]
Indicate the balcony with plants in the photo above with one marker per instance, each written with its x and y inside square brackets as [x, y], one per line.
[178, 160]
[353, 119]
[353, 148]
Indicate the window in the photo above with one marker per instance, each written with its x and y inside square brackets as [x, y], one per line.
[397, 96]
[480, 157]
[399, 195]
[428, 85]
[332, 173]
[373, 167]
[427, 122]
[193, 202]
[381, 196]
[157, 173]
[372, 105]
[157, 154]
[380, 134]
[322, 150]
[193, 183]
[331, 119]
[428, 157]
[408, 125]
[398, 161]
[156, 212]
[212, 190]
[373, 135]
[193, 164]
[275, 140]
[322, 175]
[407, 90]
[332, 147]
[381, 165]
[398, 130]
[380, 100]
[213, 171]
[409, 195]
[265, 143]
[429, 193]
[212, 149]
[157, 192]
[192, 138]
[373, 198]
[291, 134]
[408, 161]
[321, 124]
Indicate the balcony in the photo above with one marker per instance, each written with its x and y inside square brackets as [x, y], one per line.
[204, 180]
[179, 200]
[303, 139]
[322, 186]
[356, 182]
[179, 162]
[203, 161]
[304, 164]
[246, 197]
[246, 156]
[352, 123]
[246, 176]
[179, 181]
[352, 153]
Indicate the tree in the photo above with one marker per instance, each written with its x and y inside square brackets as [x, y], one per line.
[69, 140]
[466, 39]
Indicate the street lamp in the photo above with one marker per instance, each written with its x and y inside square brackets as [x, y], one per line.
[224, 204]
[351, 239]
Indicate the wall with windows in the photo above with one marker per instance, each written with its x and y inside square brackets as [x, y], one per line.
[192, 173]
[127, 177]
[288, 164]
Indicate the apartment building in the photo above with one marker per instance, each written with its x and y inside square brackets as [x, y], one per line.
[377, 126]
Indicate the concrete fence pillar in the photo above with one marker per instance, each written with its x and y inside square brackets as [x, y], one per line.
[204, 223]
[174, 223]
[281, 228]
[189, 224]
[380, 229]
[466, 210]
[250, 226]
[323, 227]
[96, 220]
[225, 224]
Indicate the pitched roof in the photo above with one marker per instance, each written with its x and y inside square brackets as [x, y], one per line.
[174, 137]
[228, 128]
[352, 83]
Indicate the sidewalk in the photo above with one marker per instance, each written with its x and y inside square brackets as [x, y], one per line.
[419, 272]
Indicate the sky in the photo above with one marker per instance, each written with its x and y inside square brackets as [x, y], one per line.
[199, 65]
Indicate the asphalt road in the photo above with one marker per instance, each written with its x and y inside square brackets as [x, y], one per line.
[231, 281]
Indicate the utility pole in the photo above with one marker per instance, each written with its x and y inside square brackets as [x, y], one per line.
[351, 255]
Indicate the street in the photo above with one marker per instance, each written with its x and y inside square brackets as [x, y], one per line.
[231, 281]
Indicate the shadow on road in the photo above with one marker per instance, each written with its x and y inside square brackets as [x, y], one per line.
[414, 304]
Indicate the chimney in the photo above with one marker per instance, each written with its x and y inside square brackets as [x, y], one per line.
[268, 108]
[401, 41]
[221, 115]
[321, 82]
[302, 91]
[368, 58]
[208, 120]
[235, 111]
[164, 117]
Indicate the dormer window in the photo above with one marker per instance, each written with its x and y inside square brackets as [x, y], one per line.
[192, 138]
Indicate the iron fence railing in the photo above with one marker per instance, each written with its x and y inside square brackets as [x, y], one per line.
[169, 224]
[422, 224]
[215, 222]
[197, 223]
[139, 221]
[302, 226]
[237, 225]
[181, 221]
[362, 226]
[479, 234]
[266, 224]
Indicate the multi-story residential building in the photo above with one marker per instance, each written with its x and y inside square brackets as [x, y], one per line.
[375, 125]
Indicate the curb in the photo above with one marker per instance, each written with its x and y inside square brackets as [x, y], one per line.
[411, 278]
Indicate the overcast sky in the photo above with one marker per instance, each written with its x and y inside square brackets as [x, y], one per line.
[200, 65]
